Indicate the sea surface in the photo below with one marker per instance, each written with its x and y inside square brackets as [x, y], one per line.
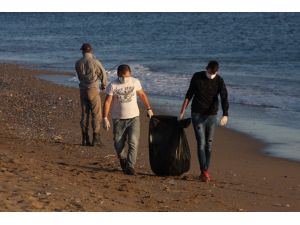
[259, 55]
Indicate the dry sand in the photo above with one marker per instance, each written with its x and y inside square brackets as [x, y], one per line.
[44, 168]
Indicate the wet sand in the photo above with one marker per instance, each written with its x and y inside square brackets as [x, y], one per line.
[44, 168]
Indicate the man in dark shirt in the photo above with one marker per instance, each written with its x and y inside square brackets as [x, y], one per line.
[205, 87]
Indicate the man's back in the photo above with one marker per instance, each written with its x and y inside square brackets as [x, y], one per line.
[89, 71]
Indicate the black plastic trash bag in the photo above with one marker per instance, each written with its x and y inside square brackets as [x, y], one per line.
[168, 147]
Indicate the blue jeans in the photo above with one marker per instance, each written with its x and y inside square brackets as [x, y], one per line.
[204, 127]
[127, 130]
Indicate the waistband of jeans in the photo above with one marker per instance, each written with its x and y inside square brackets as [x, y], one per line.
[128, 118]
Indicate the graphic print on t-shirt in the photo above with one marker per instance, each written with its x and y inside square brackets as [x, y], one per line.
[124, 103]
[125, 95]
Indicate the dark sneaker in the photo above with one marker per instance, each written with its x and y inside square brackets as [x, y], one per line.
[123, 163]
[130, 171]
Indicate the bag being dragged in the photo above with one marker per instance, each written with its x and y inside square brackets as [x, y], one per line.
[168, 147]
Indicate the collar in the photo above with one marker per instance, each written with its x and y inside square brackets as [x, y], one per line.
[88, 55]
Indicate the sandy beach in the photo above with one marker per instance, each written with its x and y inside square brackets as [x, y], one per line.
[43, 167]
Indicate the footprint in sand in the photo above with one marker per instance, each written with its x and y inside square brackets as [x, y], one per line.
[78, 205]
[123, 187]
[106, 186]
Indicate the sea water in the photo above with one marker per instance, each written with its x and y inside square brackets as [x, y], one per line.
[259, 55]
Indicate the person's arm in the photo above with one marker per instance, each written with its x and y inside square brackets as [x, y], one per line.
[106, 109]
[189, 95]
[224, 102]
[77, 69]
[107, 104]
[183, 108]
[101, 73]
[143, 96]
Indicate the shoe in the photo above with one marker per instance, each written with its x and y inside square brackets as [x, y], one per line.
[123, 163]
[130, 171]
[85, 139]
[97, 141]
[204, 177]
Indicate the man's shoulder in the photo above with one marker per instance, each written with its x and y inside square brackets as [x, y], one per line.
[219, 78]
[137, 83]
[95, 60]
[199, 74]
[114, 82]
[134, 79]
[111, 86]
[79, 61]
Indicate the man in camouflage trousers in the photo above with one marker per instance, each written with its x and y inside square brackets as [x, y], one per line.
[90, 71]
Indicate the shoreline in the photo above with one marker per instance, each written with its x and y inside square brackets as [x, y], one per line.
[270, 143]
[162, 112]
[269, 149]
[44, 168]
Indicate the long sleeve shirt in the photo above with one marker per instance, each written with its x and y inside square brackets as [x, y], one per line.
[205, 92]
[90, 71]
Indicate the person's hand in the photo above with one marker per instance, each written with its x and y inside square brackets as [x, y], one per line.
[106, 124]
[150, 113]
[180, 116]
[223, 121]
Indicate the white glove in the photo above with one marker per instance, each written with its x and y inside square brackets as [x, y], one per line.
[150, 113]
[180, 116]
[106, 124]
[223, 121]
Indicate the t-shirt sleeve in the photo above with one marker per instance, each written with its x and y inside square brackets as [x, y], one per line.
[109, 89]
[137, 85]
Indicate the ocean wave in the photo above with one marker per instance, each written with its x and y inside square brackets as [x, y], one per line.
[176, 85]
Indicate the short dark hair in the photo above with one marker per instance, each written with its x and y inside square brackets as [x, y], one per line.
[86, 47]
[213, 66]
[122, 69]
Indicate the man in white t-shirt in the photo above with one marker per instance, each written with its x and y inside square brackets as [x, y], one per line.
[121, 98]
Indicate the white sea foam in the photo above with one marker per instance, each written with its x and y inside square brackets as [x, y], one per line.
[158, 83]
[176, 85]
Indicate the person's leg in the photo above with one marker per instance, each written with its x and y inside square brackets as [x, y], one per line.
[95, 105]
[209, 135]
[85, 113]
[87, 125]
[119, 131]
[198, 123]
[133, 141]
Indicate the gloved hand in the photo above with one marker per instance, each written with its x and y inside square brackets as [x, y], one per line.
[180, 116]
[106, 124]
[150, 113]
[223, 121]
